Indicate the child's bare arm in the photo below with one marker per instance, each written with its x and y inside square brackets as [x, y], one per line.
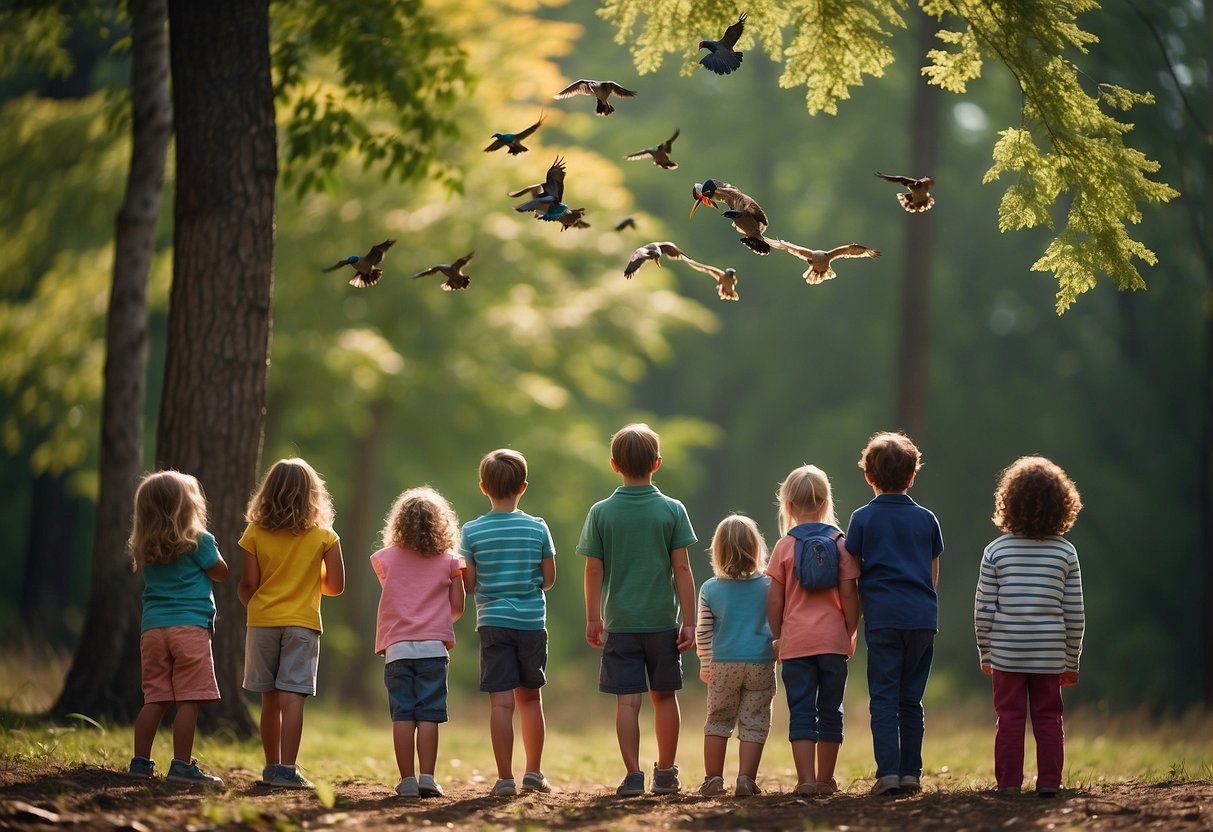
[332, 578]
[935, 571]
[848, 591]
[469, 578]
[684, 585]
[457, 599]
[250, 578]
[775, 612]
[218, 571]
[547, 567]
[593, 601]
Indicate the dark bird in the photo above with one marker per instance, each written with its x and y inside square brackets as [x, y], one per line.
[572, 219]
[601, 90]
[546, 202]
[721, 58]
[726, 279]
[366, 267]
[919, 198]
[654, 252]
[626, 222]
[660, 153]
[747, 215]
[513, 140]
[819, 261]
[456, 280]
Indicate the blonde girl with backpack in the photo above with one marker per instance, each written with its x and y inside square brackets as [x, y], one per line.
[812, 623]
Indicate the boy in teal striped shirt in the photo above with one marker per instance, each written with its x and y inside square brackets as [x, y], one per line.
[510, 562]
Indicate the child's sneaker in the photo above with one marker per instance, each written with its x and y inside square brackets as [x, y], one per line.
[288, 777]
[827, 787]
[890, 784]
[1047, 791]
[746, 787]
[909, 784]
[180, 771]
[534, 781]
[407, 787]
[267, 774]
[665, 780]
[712, 786]
[806, 789]
[141, 767]
[427, 787]
[505, 787]
[632, 785]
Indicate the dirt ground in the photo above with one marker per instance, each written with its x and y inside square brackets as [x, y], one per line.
[91, 798]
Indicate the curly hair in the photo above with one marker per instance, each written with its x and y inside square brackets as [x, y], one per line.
[170, 515]
[422, 520]
[291, 496]
[890, 460]
[1035, 498]
[808, 490]
[738, 550]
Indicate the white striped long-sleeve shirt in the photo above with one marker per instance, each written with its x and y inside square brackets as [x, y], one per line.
[1028, 612]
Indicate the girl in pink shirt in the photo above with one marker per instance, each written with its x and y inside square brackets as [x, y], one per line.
[813, 630]
[421, 577]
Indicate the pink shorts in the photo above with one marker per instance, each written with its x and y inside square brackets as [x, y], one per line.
[177, 665]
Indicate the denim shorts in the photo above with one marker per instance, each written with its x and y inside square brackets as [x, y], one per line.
[815, 686]
[416, 689]
[281, 658]
[512, 658]
[628, 657]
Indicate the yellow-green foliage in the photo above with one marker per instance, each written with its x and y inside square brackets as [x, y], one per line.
[1066, 144]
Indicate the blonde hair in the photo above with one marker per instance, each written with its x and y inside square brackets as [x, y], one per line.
[170, 515]
[808, 490]
[422, 520]
[503, 473]
[635, 449]
[291, 496]
[738, 550]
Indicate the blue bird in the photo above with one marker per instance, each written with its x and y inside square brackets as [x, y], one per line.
[721, 57]
[546, 203]
[366, 267]
[513, 140]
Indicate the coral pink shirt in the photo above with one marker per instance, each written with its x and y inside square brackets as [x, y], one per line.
[416, 600]
[813, 622]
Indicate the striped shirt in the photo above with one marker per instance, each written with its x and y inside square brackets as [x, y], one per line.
[1028, 612]
[506, 549]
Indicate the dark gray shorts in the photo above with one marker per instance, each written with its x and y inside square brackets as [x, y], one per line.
[512, 658]
[628, 657]
[281, 658]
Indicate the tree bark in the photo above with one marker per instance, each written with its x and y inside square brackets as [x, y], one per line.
[45, 589]
[103, 680]
[213, 408]
[914, 352]
[1200, 222]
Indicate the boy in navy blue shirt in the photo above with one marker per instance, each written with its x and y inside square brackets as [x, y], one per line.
[897, 543]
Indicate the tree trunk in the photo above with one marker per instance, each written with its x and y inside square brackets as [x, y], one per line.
[104, 677]
[45, 589]
[1206, 433]
[914, 352]
[213, 407]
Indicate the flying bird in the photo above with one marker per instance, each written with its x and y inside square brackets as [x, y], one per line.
[513, 140]
[601, 90]
[654, 252]
[819, 261]
[726, 279]
[456, 280]
[572, 219]
[546, 202]
[626, 222]
[660, 153]
[721, 57]
[366, 267]
[747, 215]
[919, 198]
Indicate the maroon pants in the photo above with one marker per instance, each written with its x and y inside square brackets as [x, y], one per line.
[1016, 696]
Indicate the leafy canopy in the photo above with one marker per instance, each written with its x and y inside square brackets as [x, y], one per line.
[1067, 143]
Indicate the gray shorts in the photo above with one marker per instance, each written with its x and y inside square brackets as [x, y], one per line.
[512, 658]
[627, 658]
[281, 658]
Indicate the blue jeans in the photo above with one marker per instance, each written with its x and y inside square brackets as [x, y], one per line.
[815, 686]
[899, 662]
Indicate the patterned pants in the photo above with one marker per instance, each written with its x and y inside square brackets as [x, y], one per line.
[740, 694]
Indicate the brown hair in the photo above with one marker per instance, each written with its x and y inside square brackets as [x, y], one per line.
[170, 514]
[422, 520]
[291, 496]
[635, 449]
[890, 460]
[503, 473]
[808, 490]
[1035, 498]
[738, 550]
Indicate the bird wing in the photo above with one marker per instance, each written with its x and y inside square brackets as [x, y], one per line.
[852, 250]
[539, 203]
[791, 248]
[641, 154]
[533, 190]
[668, 144]
[430, 270]
[703, 267]
[639, 256]
[626, 222]
[337, 265]
[900, 180]
[612, 87]
[463, 261]
[531, 129]
[582, 87]
[733, 33]
[495, 145]
[375, 255]
[670, 250]
[554, 184]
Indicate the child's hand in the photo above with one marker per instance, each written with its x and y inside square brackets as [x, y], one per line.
[593, 633]
[987, 669]
[705, 675]
[1069, 677]
[450, 645]
[686, 638]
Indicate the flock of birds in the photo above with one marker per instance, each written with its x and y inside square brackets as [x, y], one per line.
[545, 199]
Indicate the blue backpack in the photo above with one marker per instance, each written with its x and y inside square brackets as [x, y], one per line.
[816, 555]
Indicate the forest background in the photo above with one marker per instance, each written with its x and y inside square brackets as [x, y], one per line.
[551, 349]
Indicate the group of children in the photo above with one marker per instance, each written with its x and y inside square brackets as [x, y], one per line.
[801, 608]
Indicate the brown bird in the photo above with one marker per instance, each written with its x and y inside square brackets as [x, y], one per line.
[456, 280]
[819, 261]
[626, 222]
[572, 219]
[601, 90]
[513, 140]
[660, 153]
[745, 212]
[366, 267]
[726, 279]
[919, 198]
[654, 252]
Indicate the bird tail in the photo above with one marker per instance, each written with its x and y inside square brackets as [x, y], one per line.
[907, 202]
[517, 148]
[604, 109]
[456, 284]
[361, 280]
[758, 245]
[813, 278]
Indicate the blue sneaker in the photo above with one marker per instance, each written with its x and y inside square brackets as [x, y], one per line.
[180, 771]
[141, 767]
[288, 777]
[632, 785]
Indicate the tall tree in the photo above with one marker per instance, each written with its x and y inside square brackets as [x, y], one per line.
[97, 684]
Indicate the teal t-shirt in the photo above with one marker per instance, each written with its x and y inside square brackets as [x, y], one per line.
[507, 549]
[633, 532]
[181, 593]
